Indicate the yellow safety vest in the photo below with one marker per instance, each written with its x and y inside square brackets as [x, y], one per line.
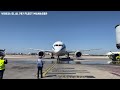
[118, 58]
[2, 65]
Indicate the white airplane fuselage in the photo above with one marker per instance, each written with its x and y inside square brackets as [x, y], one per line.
[59, 48]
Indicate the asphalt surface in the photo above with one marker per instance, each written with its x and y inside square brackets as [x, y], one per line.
[87, 67]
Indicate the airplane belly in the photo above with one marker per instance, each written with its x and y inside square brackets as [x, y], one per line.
[61, 53]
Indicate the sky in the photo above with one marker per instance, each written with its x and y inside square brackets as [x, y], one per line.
[79, 30]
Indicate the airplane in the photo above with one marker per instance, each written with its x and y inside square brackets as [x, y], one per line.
[59, 49]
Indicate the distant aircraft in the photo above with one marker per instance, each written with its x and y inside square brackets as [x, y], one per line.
[59, 49]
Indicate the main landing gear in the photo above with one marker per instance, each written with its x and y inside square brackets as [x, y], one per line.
[58, 60]
[68, 56]
[52, 56]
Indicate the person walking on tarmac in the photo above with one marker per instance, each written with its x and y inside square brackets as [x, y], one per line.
[2, 66]
[39, 66]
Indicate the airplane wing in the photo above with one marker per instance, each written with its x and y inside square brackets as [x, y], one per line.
[72, 51]
[69, 51]
[46, 51]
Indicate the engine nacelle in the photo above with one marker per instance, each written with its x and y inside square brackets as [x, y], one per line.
[117, 28]
[118, 46]
[41, 53]
[78, 54]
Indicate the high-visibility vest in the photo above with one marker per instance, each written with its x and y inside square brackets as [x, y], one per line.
[118, 58]
[2, 65]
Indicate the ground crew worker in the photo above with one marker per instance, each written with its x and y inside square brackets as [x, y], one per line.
[118, 58]
[39, 66]
[2, 66]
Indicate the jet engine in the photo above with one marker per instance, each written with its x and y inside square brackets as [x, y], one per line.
[117, 27]
[78, 54]
[41, 53]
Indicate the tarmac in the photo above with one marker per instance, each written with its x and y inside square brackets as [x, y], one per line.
[87, 67]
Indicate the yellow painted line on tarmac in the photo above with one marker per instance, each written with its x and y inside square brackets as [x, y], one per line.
[48, 69]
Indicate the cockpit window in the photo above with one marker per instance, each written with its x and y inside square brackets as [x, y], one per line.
[58, 45]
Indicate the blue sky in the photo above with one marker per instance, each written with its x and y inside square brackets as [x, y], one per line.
[77, 29]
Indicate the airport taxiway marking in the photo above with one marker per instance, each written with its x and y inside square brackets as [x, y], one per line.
[48, 69]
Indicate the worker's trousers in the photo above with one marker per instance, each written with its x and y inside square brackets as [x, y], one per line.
[1, 73]
[39, 71]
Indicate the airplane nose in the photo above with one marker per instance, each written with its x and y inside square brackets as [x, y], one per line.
[58, 50]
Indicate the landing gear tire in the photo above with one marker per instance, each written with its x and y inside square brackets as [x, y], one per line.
[68, 57]
[52, 57]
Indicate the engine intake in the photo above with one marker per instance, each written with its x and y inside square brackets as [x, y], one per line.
[118, 46]
[78, 54]
[41, 53]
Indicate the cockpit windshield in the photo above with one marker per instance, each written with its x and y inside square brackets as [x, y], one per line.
[58, 45]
